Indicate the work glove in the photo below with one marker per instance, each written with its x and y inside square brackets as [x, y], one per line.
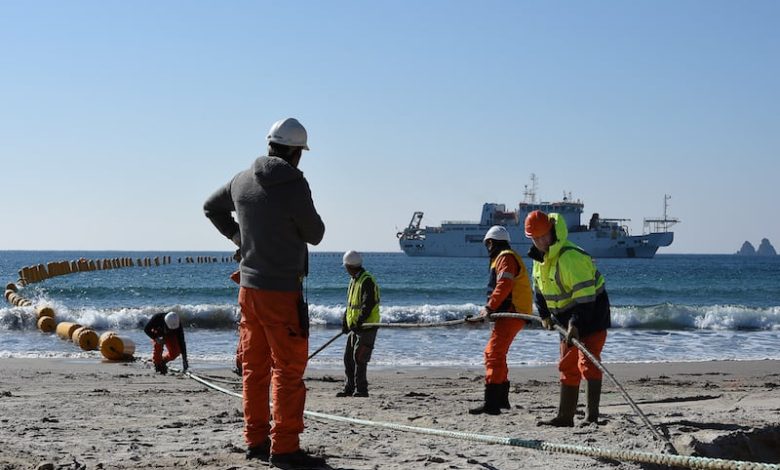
[572, 333]
[357, 326]
[484, 314]
[548, 324]
[161, 368]
[344, 326]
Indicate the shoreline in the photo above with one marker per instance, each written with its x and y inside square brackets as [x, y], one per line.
[122, 415]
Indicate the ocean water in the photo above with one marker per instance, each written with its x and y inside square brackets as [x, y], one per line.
[670, 308]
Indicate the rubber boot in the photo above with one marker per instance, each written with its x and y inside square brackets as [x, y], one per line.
[593, 393]
[492, 405]
[261, 451]
[566, 408]
[504, 402]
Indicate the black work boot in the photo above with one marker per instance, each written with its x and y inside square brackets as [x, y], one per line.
[492, 405]
[593, 394]
[361, 393]
[345, 393]
[566, 408]
[261, 451]
[296, 460]
[503, 403]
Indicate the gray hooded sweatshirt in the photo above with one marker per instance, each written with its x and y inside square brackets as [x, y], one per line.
[276, 218]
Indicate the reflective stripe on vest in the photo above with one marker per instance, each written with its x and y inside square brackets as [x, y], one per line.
[355, 300]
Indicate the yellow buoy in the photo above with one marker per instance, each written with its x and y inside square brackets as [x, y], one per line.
[46, 324]
[65, 329]
[85, 338]
[8, 293]
[116, 348]
[11, 286]
[45, 311]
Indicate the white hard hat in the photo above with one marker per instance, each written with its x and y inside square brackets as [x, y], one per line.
[288, 132]
[352, 258]
[172, 320]
[497, 232]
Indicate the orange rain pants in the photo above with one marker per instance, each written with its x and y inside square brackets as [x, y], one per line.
[504, 332]
[236, 277]
[274, 353]
[171, 344]
[574, 366]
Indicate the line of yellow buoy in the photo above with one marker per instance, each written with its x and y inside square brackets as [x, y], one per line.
[112, 346]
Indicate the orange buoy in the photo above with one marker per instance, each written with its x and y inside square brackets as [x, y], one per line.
[45, 311]
[65, 329]
[46, 324]
[15, 299]
[85, 338]
[116, 348]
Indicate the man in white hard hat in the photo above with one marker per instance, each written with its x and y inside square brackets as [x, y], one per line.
[275, 219]
[508, 290]
[362, 307]
[165, 329]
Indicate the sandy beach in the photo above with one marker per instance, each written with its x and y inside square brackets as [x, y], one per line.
[82, 414]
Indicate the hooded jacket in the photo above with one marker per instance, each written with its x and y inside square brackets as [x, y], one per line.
[275, 217]
[567, 284]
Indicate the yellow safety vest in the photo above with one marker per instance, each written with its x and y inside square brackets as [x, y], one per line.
[521, 299]
[355, 298]
[567, 277]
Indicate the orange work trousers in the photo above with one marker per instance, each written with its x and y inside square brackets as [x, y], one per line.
[171, 344]
[274, 354]
[504, 332]
[574, 366]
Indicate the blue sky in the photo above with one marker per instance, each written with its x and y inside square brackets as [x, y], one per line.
[118, 119]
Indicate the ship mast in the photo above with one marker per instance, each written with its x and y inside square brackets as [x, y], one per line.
[661, 225]
[529, 194]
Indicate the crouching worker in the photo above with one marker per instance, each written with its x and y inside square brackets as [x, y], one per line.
[362, 307]
[508, 290]
[570, 291]
[166, 329]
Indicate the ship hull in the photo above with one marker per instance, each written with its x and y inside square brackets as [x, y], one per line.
[466, 242]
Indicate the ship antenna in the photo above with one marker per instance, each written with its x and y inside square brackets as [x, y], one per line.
[666, 206]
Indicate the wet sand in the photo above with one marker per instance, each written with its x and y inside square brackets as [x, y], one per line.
[83, 414]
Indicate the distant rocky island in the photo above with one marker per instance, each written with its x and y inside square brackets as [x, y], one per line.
[764, 249]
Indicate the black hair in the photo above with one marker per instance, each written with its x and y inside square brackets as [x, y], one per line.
[285, 152]
[498, 246]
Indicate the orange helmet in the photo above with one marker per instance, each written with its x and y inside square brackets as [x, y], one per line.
[537, 224]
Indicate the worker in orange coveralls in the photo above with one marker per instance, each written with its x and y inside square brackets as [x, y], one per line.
[509, 290]
[275, 219]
